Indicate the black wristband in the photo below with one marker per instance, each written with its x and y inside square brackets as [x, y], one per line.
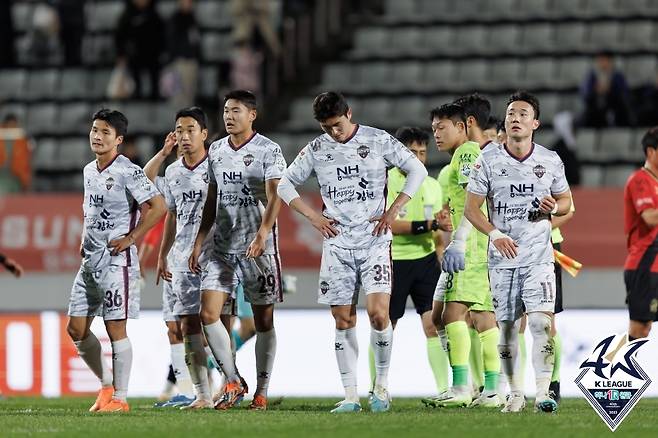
[435, 225]
[2, 258]
[419, 227]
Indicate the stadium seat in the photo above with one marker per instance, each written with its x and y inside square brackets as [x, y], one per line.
[140, 117]
[586, 144]
[75, 118]
[549, 105]
[567, 9]
[42, 84]
[410, 110]
[640, 70]
[570, 37]
[604, 36]
[438, 75]
[615, 144]
[99, 81]
[213, 14]
[73, 153]
[12, 84]
[374, 77]
[437, 39]
[493, 10]
[216, 46]
[301, 114]
[532, 9]
[407, 77]
[371, 41]
[616, 176]
[545, 137]
[21, 14]
[17, 109]
[472, 74]
[537, 38]
[539, 73]
[635, 151]
[74, 84]
[379, 112]
[472, 39]
[208, 82]
[602, 9]
[338, 76]
[45, 154]
[42, 118]
[103, 15]
[638, 35]
[591, 176]
[505, 73]
[404, 10]
[403, 40]
[503, 39]
[572, 71]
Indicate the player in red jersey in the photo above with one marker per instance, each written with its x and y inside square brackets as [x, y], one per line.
[640, 220]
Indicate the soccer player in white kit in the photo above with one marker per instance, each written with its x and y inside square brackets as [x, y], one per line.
[351, 164]
[523, 184]
[107, 283]
[244, 169]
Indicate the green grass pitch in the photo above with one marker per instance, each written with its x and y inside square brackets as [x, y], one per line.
[297, 417]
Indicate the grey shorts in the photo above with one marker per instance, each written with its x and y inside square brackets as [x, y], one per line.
[112, 292]
[523, 289]
[343, 272]
[260, 277]
[168, 302]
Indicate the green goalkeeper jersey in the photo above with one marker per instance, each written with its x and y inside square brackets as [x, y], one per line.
[460, 168]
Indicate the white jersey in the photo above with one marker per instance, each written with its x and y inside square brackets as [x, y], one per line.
[352, 177]
[111, 209]
[160, 185]
[240, 173]
[513, 188]
[186, 190]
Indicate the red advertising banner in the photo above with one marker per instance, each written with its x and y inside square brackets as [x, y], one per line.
[43, 231]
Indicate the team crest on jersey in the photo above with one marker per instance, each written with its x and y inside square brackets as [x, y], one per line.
[205, 178]
[363, 151]
[109, 183]
[324, 287]
[539, 170]
[248, 159]
[612, 380]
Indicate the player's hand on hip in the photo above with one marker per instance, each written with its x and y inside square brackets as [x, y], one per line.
[384, 222]
[547, 204]
[454, 259]
[504, 244]
[325, 226]
[163, 271]
[118, 245]
[443, 218]
[193, 261]
[257, 246]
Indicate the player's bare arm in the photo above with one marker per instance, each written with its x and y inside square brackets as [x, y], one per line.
[153, 166]
[557, 204]
[155, 211]
[207, 219]
[165, 246]
[650, 216]
[257, 246]
[504, 244]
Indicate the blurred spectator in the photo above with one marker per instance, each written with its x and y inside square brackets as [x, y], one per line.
[130, 150]
[179, 82]
[648, 104]
[606, 96]
[501, 136]
[43, 46]
[253, 22]
[72, 22]
[15, 166]
[139, 40]
[246, 68]
[565, 146]
[491, 129]
[7, 53]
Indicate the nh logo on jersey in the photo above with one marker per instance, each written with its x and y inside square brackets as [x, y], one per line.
[248, 159]
[231, 177]
[612, 380]
[192, 195]
[521, 190]
[363, 151]
[95, 200]
[347, 172]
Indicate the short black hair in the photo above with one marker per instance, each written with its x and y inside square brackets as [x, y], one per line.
[412, 134]
[477, 107]
[246, 97]
[196, 113]
[10, 117]
[524, 96]
[329, 104]
[450, 111]
[492, 123]
[113, 118]
[650, 140]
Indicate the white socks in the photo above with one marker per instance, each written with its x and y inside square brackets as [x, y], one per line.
[90, 351]
[508, 348]
[347, 352]
[543, 351]
[444, 339]
[197, 363]
[265, 352]
[382, 344]
[220, 344]
[122, 360]
[183, 381]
